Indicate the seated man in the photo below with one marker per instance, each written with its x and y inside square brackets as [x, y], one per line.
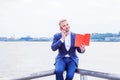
[66, 58]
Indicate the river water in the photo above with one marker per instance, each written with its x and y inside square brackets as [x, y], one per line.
[23, 58]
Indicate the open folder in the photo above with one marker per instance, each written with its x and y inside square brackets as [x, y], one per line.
[82, 39]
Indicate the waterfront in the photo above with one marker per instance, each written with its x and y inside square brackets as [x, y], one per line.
[23, 58]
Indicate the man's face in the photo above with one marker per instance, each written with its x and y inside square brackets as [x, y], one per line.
[65, 26]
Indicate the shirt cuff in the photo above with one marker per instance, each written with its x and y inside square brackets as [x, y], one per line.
[61, 40]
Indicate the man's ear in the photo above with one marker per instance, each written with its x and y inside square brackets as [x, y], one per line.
[61, 28]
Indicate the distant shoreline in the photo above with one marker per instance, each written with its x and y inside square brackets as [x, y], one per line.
[95, 37]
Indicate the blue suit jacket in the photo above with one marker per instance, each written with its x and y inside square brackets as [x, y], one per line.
[58, 45]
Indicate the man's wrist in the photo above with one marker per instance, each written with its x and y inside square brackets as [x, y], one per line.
[61, 40]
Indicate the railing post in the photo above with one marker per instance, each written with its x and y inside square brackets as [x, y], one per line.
[83, 77]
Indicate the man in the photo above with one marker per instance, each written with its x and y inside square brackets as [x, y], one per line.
[66, 58]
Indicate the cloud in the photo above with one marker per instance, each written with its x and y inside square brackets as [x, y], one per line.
[38, 17]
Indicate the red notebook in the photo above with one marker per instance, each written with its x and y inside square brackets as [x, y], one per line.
[82, 39]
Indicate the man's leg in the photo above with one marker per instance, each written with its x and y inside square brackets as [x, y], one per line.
[70, 70]
[59, 69]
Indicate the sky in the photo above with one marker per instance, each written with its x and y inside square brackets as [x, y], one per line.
[40, 18]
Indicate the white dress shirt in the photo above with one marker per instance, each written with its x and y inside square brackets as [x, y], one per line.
[68, 42]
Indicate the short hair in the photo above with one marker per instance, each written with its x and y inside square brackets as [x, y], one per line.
[63, 20]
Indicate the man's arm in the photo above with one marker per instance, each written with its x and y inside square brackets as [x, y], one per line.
[56, 43]
[81, 49]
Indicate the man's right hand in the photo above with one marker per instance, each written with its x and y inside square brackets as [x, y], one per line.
[63, 34]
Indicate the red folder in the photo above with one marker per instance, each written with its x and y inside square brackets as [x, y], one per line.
[82, 39]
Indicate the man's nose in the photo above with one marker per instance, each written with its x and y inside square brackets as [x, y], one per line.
[67, 26]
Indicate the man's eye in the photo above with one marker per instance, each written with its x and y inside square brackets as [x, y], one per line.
[63, 25]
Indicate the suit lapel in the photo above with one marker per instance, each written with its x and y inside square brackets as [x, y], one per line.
[72, 39]
[63, 43]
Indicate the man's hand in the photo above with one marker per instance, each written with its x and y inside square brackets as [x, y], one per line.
[82, 47]
[63, 34]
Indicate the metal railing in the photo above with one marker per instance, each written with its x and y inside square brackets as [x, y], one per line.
[83, 75]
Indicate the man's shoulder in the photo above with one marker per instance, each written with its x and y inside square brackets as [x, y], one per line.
[73, 33]
[57, 34]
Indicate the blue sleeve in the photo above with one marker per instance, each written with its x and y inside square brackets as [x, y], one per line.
[56, 43]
